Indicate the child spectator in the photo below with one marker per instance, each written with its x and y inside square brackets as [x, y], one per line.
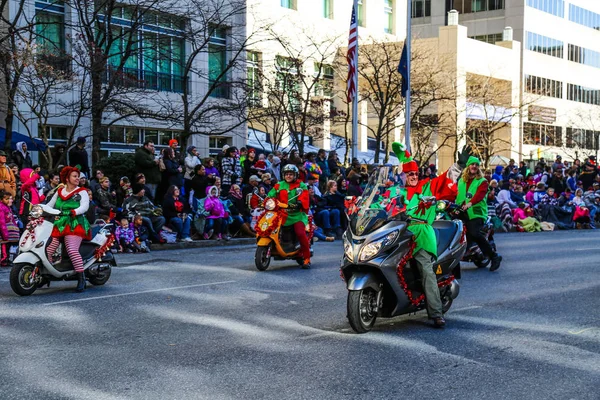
[216, 220]
[8, 226]
[540, 192]
[123, 191]
[529, 197]
[140, 234]
[125, 237]
[549, 198]
[261, 164]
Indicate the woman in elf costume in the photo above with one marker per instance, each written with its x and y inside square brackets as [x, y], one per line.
[425, 251]
[292, 196]
[71, 224]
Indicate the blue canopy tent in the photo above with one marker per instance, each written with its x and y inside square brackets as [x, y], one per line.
[32, 144]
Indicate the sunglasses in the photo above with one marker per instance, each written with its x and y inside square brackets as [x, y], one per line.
[412, 174]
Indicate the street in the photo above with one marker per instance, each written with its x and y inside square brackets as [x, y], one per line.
[205, 324]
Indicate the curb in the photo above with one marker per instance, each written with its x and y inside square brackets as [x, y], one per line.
[202, 244]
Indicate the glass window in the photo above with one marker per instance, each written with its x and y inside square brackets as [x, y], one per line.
[254, 85]
[116, 134]
[291, 4]
[544, 45]
[151, 135]
[421, 8]
[217, 64]
[50, 31]
[328, 9]
[132, 136]
[388, 20]
[554, 7]
[361, 13]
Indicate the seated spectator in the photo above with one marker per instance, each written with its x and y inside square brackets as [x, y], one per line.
[523, 219]
[212, 172]
[200, 182]
[313, 182]
[517, 194]
[176, 213]
[105, 199]
[326, 217]
[52, 183]
[529, 197]
[151, 215]
[95, 182]
[549, 198]
[566, 198]
[141, 234]
[9, 230]
[83, 181]
[266, 181]
[578, 199]
[239, 213]
[123, 191]
[125, 237]
[141, 179]
[354, 188]
[540, 192]
[494, 187]
[216, 220]
[504, 197]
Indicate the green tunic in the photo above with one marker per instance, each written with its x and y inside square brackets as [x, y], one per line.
[424, 234]
[478, 210]
[286, 193]
[70, 224]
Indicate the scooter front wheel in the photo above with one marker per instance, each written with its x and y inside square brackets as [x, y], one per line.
[262, 257]
[21, 280]
[362, 306]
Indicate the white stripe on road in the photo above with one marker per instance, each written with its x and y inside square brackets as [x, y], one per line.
[134, 293]
[588, 249]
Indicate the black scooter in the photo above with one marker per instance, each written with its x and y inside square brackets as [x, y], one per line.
[381, 277]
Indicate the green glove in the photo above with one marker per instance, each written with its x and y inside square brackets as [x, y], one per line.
[463, 156]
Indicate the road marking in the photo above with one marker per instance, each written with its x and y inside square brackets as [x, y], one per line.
[588, 249]
[581, 331]
[134, 293]
[466, 308]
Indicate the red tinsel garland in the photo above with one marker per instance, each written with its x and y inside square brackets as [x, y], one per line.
[402, 280]
[30, 230]
[273, 224]
[101, 251]
[311, 228]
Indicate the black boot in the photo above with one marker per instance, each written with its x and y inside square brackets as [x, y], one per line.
[80, 282]
[496, 260]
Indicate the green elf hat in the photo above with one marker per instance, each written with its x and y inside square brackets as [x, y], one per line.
[401, 152]
[473, 160]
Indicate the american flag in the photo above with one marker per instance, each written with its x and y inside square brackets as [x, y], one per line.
[351, 56]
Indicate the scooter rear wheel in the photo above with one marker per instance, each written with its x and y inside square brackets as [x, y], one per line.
[99, 280]
[20, 279]
[262, 258]
[361, 309]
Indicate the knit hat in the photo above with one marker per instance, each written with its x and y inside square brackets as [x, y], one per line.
[473, 160]
[254, 178]
[81, 140]
[136, 188]
[173, 142]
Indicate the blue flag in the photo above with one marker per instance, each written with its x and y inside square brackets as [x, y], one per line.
[403, 69]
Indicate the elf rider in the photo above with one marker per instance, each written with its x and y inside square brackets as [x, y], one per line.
[472, 195]
[70, 204]
[292, 196]
[425, 252]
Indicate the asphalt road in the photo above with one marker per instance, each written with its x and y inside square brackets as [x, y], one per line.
[204, 323]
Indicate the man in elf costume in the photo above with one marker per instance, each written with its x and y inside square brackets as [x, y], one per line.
[472, 195]
[425, 252]
[292, 196]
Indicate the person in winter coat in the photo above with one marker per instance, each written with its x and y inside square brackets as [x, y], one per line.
[105, 198]
[200, 182]
[191, 161]
[29, 193]
[231, 169]
[9, 231]
[211, 171]
[176, 213]
[21, 156]
[216, 220]
[146, 163]
[498, 173]
[78, 156]
[58, 156]
[125, 237]
[171, 176]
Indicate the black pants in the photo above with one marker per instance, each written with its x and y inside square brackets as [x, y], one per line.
[475, 234]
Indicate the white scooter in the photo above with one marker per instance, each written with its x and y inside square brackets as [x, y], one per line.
[32, 269]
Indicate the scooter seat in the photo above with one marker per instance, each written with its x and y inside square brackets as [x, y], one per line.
[95, 229]
[444, 233]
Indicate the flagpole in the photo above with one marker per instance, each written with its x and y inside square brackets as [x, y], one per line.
[355, 99]
[408, 56]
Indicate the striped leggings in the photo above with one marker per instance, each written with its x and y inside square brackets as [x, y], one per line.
[72, 243]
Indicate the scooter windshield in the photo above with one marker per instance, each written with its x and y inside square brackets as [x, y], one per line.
[377, 203]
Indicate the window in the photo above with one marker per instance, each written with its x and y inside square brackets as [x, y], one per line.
[388, 19]
[492, 38]
[291, 4]
[542, 135]
[328, 9]
[584, 56]
[154, 55]
[471, 6]
[361, 13]
[554, 7]
[583, 138]
[287, 80]
[50, 34]
[59, 133]
[584, 17]
[216, 143]
[254, 85]
[324, 74]
[421, 8]
[583, 94]
[544, 45]
[543, 86]
[217, 64]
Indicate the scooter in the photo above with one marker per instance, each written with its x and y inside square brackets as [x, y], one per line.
[381, 277]
[32, 269]
[274, 240]
[449, 211]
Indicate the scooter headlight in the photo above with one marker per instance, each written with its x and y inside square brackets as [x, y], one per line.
[373, 248]
[36, 211]
[441, 206]
[348, 251]
[270, 204]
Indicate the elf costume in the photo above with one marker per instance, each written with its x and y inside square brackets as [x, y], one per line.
[72, 220]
